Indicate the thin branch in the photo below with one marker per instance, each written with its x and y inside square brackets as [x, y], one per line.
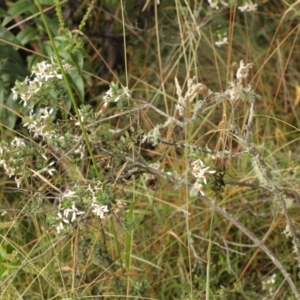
[251, 236]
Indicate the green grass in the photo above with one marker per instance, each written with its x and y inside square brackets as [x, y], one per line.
[165, 243]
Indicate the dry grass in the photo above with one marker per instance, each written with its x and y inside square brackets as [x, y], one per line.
[167, 244]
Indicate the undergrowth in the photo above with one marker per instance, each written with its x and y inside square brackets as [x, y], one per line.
[156, 158]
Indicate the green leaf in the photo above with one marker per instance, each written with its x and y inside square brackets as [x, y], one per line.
[145, 261]
[2, 252]
[8, 36]
[32, 60]
[10, 69]
[47, 48]
[3, 13]
[52, 23]
[47, 2]
[77, 59]
[7, 109]
[27, 34]
[77, 83]
[10, 53]
[64, 46]
[18, 8]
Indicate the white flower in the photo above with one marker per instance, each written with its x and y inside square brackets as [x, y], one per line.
[15, 93]
[45, 113]
[126, 91]
[26, 97]
[18, 181]
[248, 7]
[3, 149]
[10, 171]
[99, 210]
[222, 42]
[61, 220]
[80, 151]
[74, 211]
[107, 96]
[199, 170]
[198, 187]
[68, 194]
[17, 142]
[49, 169]
[213, 4]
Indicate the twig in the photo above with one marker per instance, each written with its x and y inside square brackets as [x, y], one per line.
[251, 236]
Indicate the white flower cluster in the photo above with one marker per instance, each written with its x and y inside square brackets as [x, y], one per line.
[248, 7]
[39, 124]
[42, 72]
[68, 215]
[39, 121]
[214, 3]
[269, 285]
[115, 94]
[13, 163]
[199, 170]
[10, 165]
[99, 210]
[64, 218]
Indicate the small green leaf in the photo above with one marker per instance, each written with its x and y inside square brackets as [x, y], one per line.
[11, 71]
[8, 36]
[64, 46]
[27, 34]
[47, 2]
[3, 13]
[77, 83]
[2, 252]
[7, 115]
[32, 60]
[18, 8]
[77, 59]
[10, 53]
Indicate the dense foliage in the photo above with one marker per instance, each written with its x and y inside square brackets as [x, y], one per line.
[149, 149]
